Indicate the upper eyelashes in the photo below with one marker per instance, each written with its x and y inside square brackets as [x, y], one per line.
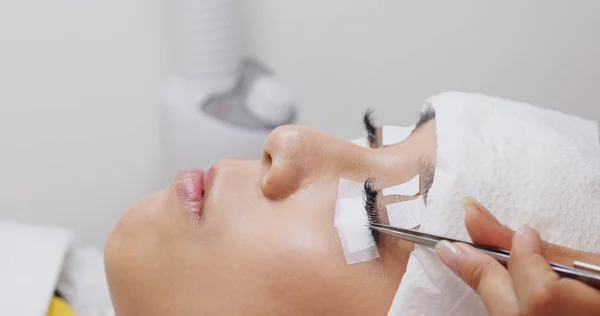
[370, 196]
[370, 127]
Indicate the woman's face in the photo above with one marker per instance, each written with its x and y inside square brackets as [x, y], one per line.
[257, 237]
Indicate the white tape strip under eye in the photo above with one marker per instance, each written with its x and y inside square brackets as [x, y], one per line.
[347, 189]
[349, 212]
[353, 224]
[392, 134]
[362, 142]
[409, 188]
[406, 214]
[359, 256]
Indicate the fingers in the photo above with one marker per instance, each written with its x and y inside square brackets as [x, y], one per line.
[532, 275]
[539, 289]
[484, 228]
[536, 287]
[571, 297]
[485, 275]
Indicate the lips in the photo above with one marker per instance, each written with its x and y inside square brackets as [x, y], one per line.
[189, 185]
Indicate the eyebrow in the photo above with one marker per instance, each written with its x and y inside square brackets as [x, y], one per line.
[425, 165]
[426, 174]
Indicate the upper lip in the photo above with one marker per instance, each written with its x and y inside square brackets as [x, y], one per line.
[209, 179]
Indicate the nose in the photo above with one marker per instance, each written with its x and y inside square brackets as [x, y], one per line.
[283, 162]
[295, 156]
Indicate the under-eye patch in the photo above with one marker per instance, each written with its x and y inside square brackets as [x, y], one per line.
[362, 142]
[351, 222]
[351, 219]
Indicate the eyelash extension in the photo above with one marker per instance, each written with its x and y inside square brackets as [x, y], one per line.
[370, 127]
[370, 195]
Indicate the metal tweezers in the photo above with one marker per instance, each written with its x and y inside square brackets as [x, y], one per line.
[590, 277]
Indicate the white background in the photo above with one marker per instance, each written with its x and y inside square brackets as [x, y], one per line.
[80, 81]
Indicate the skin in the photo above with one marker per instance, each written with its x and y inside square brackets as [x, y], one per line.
[261, 240]
[528, 286]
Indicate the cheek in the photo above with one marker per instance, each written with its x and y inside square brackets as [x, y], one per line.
[310, 236]
[283, 238]
[304, 226]
[300, 266]
[294, 265]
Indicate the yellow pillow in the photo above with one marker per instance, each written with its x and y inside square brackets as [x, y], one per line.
[59, 307]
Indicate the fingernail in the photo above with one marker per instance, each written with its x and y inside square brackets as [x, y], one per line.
[448, 254]
[471, 204]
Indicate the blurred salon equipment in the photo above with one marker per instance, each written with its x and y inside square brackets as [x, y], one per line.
[218, 104]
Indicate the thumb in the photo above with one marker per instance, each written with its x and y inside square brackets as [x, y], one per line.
[484, 228]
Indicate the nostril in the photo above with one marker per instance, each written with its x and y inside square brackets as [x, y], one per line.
[266, 163]
[283, 161]
[267, 160]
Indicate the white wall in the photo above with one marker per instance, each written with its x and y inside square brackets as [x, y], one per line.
[79, 97]
[80, 81]
[344, 56]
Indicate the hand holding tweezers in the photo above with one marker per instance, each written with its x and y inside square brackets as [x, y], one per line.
[590, 278]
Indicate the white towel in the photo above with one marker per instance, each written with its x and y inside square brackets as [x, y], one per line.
[528, 165]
